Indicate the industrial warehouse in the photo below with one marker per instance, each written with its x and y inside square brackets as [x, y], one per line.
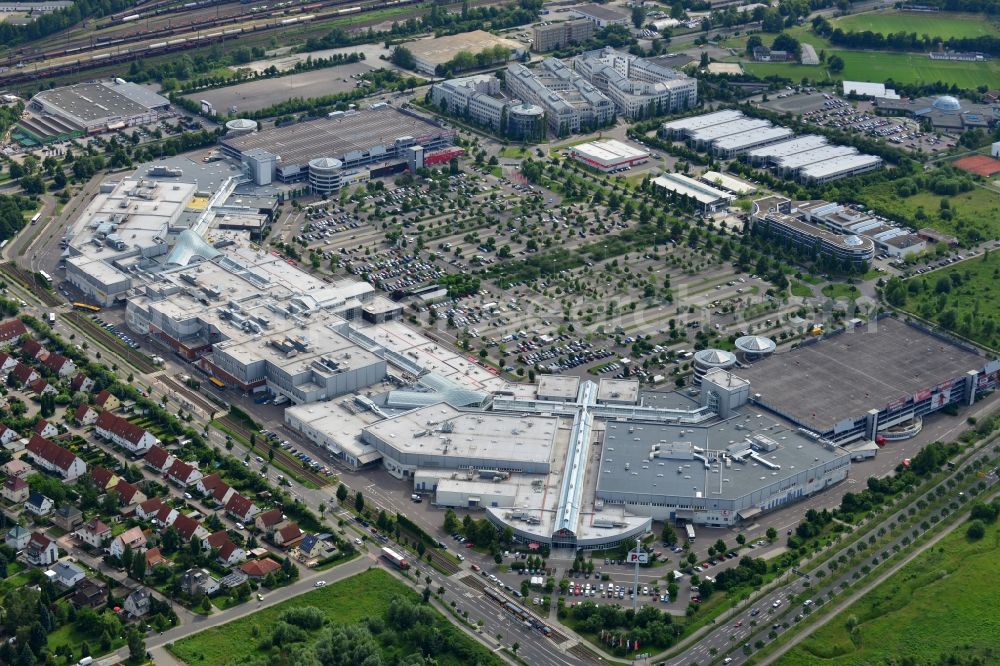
[808, 159]
[86, 108]
[382, 137]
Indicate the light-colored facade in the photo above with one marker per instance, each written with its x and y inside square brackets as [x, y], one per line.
[774, 216]
[552, 36]
[473, 97]
[638, 87]
[571, 103]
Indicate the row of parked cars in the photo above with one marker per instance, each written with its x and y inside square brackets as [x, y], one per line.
[111, 328]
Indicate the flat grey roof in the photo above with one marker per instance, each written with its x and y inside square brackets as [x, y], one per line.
[558, 386]
[336, 137]
[96, 101]
[629, 444]
[844, 376]
[598, 11]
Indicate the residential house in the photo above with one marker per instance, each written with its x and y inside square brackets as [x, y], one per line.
[90, 593]
[17, 468]
[288, 536]
[159, 458]
[7, 363]
[45, 429]
[81, 383]
[259, 569]
[41, 550]
[85, 415]
[314, 548]
[34, 349]
[11, 330]
[147, 510]
[222, 493]
[129, 493]
[104, 478]
[189, 528]
[107, 401]
[166, 516]
[124, 433]
[210, 483]
[183, 474]
[68, 517]
[95, 533]
[131, 538]
[7, 434]
[67, 574]
[24, 373]
[241, 508]
[17, 538]
[40, 387]
[229, 553]
[15, 490]
[59, 364]
[196, 582]
[54, 458]
[137, 603]
[154, 558]
[268, 521]
[38, 505]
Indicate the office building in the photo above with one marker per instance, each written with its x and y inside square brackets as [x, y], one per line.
[571, 103]
[552, 36]
[638, 87]
[774, 217]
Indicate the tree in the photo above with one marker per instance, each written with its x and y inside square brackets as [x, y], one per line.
[341, 493]
[771, 534]
[740, 539]
[359, 502]
[139, 567]
[136, 646]
[638, 15]
[835, 64]
[451, 524]
[403, 57]
[976, 531]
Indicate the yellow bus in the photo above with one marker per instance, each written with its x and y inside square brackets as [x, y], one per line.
[218, 384]
[86, 306]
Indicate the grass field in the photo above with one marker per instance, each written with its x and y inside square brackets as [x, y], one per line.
[351, 601]
[977, 209]
[974, 299]
[934, 608]
[801, 290]
[940, 24]
[881, 66]
[839, 290]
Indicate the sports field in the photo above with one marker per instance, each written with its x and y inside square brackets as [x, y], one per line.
[881, 66]
[935, 608]
[940, 24]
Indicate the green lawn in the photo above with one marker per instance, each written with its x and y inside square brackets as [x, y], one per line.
[515, 152]
[940, 24]
[838, 290]
[880, 66]
[977, 209]
[934, 608]
[350, 601]
[969, 306]
[68, 634]
[801, 290]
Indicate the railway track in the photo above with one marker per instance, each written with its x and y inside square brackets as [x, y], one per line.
[16, 69]
[137, 359]
[280, 455]
[27, 281]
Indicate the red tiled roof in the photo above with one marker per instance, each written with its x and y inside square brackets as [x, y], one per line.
[164, 513]
[22, 371]
[211, 481]
[180, 470]
[154, 557]
[95, 526]
[81, 411]
[40, 540]
[259, 568]
[40, 426]
[32, 347]
[78, 381]
[270, 518]
[101, 476]
[157, 456]
[226, 550]
[124, 428]
[126, 491]
[53, 453]
[12, 328]
[102, 397]
[220, 492]
[38, 385]
[186, 526]
[288, 533]
[55, 362]
[152, 505]
[238, 505]
[15, 484]
[216, 539]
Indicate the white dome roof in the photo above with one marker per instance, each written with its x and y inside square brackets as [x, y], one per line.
[947, 103]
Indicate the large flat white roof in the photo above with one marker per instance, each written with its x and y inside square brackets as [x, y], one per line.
[805, 158]
[728, 129]
[610, 151]
[706, 120]
[839, 165]
[797, 145]
[689, 187]
[742, 140]
[727, 182]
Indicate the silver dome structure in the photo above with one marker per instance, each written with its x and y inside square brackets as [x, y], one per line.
[707, 359]
[753, 347]
[947, 103]
[190, 246]
[241, 126]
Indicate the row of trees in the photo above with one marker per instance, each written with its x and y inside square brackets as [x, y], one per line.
[903, 41]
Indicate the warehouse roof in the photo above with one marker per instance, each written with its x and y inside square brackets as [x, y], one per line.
[610, 150]
[738, 141]
[368, 131]
[792, 146]
[92, 102]
[728, 129]
[689, 187]
[839, 165]
[706, 120]
[599, 12]
[799, 160]
[729, 183]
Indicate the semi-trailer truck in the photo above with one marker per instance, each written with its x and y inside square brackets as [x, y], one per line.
[395, 558]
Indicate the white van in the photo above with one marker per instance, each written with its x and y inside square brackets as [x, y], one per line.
[86, 661]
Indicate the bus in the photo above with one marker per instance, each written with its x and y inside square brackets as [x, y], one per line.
[218, 384]
[86, 306]
[37, 216]
[690, 531]
[48, 278]
[3, 244]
